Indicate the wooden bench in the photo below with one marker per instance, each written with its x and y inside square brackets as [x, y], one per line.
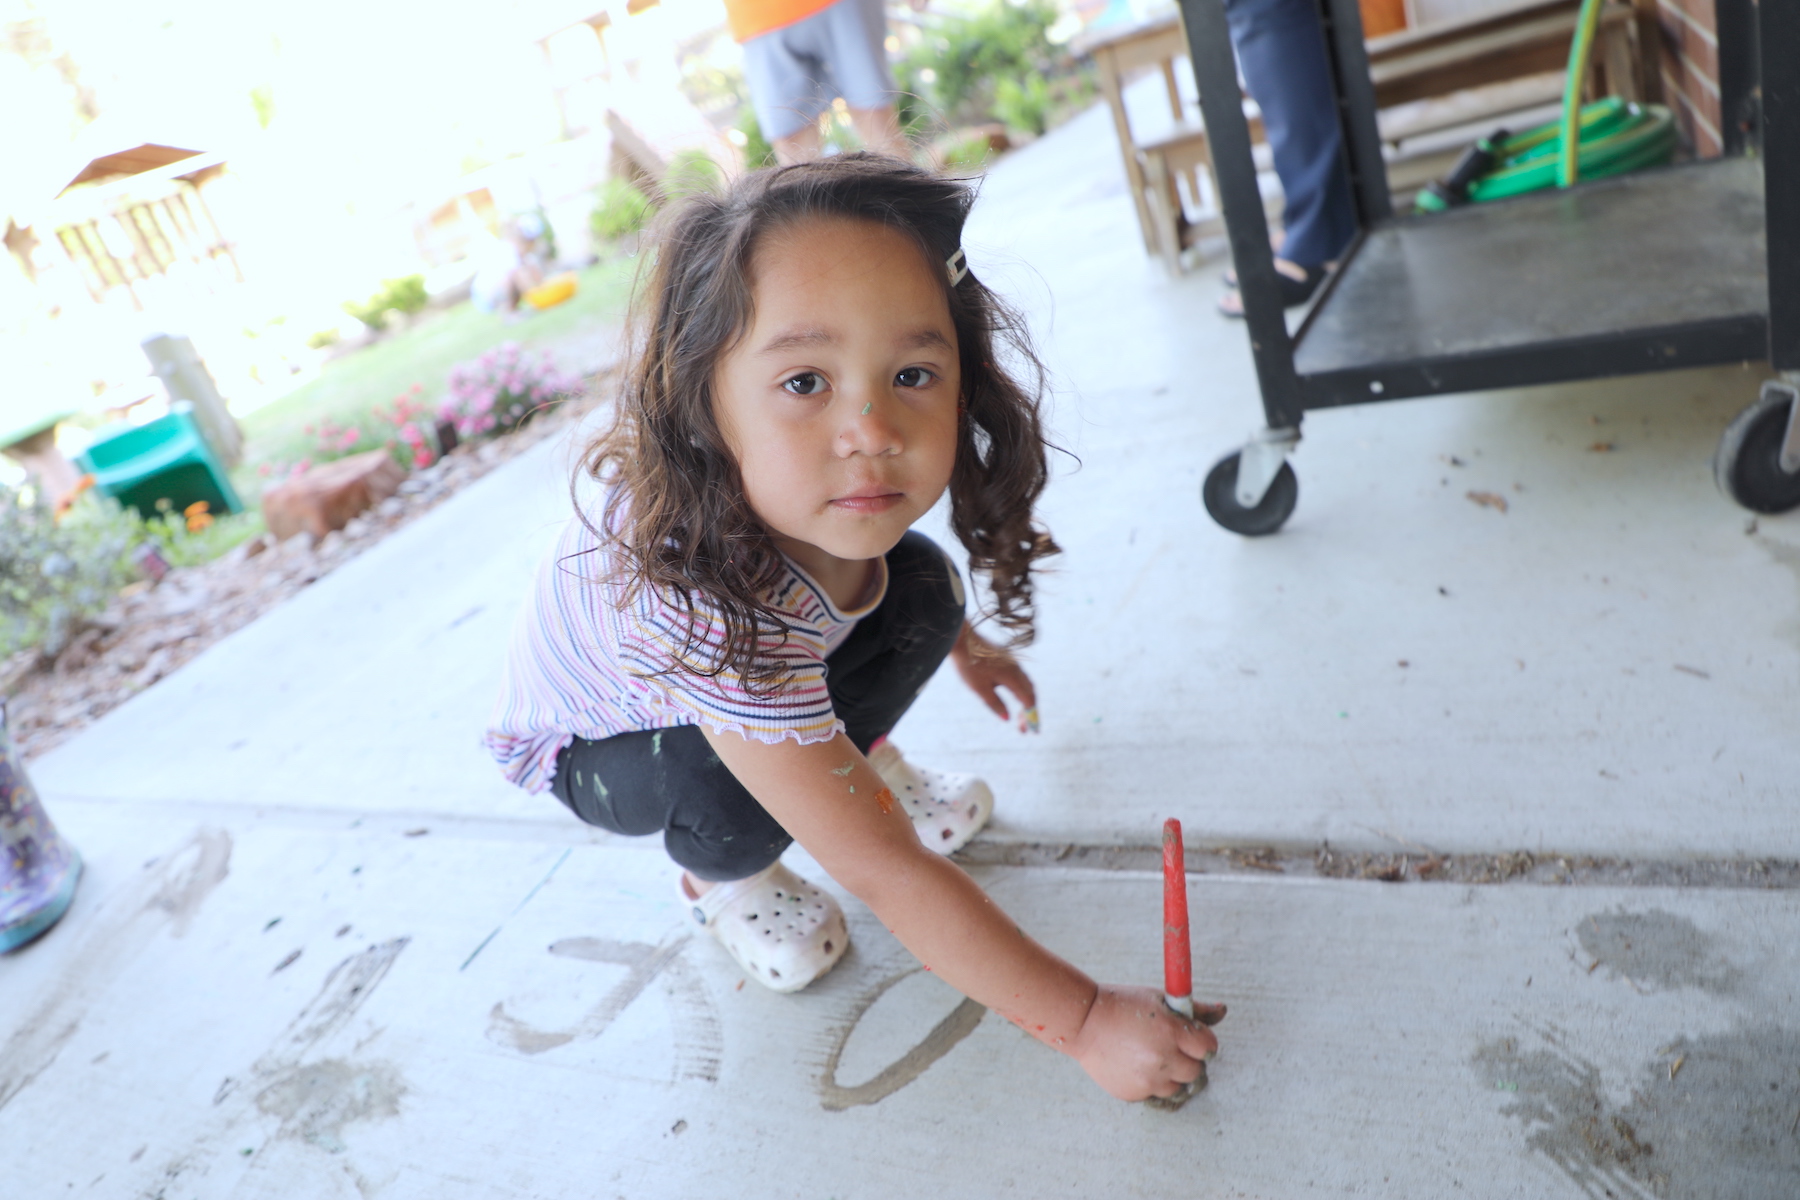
[1463, 72]
[1159, 169]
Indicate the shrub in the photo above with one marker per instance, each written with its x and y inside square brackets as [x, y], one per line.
[193, 535]
[411, 443]
[500, 390]
[56, 572]
[619, 211]
[691, 172]
[972, 151]
[758, 151]
[402, 427]
[405, 295]
[963, 57]
[1023, 105]
[59, 568]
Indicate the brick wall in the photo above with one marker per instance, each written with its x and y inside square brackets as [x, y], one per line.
[1690, 71]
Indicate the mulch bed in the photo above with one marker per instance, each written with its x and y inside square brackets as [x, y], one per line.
[149, 632]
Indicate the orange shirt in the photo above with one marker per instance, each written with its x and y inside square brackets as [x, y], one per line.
[750, 18]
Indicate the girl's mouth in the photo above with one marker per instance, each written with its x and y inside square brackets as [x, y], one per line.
[868, 501]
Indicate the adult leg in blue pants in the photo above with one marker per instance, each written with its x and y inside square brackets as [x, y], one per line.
[1280, 46]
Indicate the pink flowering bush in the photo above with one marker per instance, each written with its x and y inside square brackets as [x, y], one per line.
[412, 442]
[498, 391]
[403, 427]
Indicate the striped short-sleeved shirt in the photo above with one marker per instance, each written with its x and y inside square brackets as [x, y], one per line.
[582, 664]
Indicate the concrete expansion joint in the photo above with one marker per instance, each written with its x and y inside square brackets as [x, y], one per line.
[1418, 865]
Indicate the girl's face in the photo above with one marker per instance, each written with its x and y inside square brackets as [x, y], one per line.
[840, 402]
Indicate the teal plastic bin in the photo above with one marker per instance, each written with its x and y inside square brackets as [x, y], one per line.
[165, 459]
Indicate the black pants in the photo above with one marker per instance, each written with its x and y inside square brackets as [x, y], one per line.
[669, 780]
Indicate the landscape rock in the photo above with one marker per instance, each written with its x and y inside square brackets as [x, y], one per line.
[325, 498]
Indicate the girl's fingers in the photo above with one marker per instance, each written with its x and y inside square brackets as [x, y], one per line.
[1209, 1014]
[1196, 1041]
[990, 696]
[1187, 1070]
[1019, 684]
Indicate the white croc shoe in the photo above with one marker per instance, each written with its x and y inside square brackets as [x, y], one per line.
[946, 809]
[781, 929]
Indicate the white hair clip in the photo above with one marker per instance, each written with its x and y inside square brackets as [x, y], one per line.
[958, 266]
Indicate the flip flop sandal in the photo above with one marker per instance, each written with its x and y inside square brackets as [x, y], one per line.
[1293, 291]
[781, 929]
[946, 809]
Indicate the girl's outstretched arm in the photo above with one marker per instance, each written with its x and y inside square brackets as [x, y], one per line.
[1125, 1038]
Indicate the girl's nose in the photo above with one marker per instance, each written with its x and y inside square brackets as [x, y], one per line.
[867, 429]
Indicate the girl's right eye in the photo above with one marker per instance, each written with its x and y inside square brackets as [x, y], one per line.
[807, 383]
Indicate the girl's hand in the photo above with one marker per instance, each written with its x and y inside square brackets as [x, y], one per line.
[986, 668]
[1133, 1046]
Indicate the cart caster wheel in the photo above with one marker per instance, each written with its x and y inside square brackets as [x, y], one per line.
[1748, 466]
[1277, 505]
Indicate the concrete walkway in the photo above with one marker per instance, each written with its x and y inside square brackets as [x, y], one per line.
[491, 1000]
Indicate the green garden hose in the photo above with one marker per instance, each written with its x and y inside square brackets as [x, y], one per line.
[1574, 79]
[1607, 137]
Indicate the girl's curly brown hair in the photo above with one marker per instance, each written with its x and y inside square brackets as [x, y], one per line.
[675, 519]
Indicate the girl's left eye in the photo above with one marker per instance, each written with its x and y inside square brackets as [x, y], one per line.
[913, 377]
[807, 383]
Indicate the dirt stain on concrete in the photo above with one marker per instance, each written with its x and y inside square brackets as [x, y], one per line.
[196, 870]
[315, 1101]
[167, 895]
[1789, 557]
[345, 990]
[1657, 949]
[1718, 1127]
[314, 1098]
[959, 1024]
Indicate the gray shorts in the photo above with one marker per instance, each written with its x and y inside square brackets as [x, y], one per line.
[796, 71]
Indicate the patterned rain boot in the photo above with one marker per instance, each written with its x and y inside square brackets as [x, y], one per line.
[37, 868]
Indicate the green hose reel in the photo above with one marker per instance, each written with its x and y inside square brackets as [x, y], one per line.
[1611, 137]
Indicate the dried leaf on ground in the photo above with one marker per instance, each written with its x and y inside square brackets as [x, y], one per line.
[1489, 500]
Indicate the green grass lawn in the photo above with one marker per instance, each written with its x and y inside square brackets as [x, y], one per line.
[347, 391]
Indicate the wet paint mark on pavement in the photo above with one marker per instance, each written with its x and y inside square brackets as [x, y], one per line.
[959, 1024]
[168, 895]
[1721, 1127]
[1657, 950]
[699, 1037]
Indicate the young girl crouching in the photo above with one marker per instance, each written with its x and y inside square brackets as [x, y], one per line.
[720, 650]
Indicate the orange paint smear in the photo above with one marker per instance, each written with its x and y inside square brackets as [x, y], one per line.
[885, 798]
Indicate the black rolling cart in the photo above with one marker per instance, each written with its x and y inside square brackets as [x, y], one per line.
[1679, 266]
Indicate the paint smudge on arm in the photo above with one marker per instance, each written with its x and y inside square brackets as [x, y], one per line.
[843, 771]
[884, 799]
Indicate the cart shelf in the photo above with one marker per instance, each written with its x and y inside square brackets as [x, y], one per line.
[1639, 272]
